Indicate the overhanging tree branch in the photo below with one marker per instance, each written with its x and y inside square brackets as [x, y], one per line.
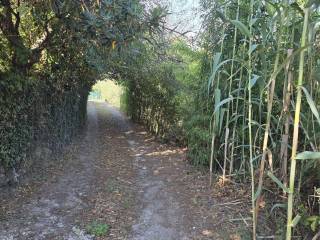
[23, 58]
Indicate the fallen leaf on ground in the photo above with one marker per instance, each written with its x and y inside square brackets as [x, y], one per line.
[207, 233]
[235, 237]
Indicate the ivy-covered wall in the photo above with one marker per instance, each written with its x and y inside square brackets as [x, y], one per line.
[37, 116]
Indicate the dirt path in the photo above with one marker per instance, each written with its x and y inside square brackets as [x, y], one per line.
[161, 215]
[118, 176]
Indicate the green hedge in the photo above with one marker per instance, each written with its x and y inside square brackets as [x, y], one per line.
[37, 115]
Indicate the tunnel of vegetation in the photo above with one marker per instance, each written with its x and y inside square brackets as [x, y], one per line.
[52, 52]
[244, 99]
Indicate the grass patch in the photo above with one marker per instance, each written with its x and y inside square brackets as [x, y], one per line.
[111, 186]
[97, 229]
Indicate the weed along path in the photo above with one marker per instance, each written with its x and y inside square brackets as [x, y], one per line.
[115, 182]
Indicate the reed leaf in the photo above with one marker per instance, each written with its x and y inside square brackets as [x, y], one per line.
[243, 29]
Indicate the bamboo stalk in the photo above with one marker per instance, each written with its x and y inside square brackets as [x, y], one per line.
[285, 136]
[269, 113]
[216, 121]
[225, 155]
[296, 127]
[229, 93]
[254, 224]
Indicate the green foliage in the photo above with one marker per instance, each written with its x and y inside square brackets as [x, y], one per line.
[198, 139]
[168, 96]
[150, 89]
[51, 53]
[254, 48]
[97, 229]
[192, 102]
[313, 222]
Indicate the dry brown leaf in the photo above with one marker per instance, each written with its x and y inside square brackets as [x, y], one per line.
[235, 237]
[207, 233]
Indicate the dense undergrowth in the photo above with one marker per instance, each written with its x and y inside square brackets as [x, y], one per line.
[244, 99]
